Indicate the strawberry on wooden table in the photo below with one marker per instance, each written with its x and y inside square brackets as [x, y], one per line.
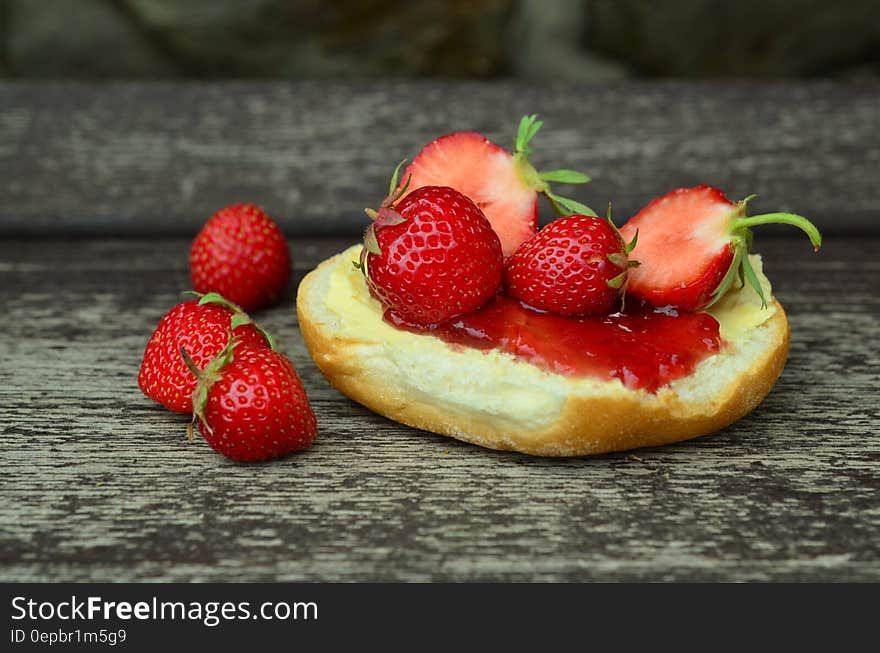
[694, 243]
[505, 186]
[242, 254]
[202, 326]
[430, 256]
[250, 404]
[576, 265]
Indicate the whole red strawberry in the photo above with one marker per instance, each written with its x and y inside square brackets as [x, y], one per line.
[251, 405]
[694, 243]
[576, 265]
[431, 256]
[202, 327]
[242, 254]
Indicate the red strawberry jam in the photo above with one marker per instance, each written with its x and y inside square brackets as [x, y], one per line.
[644, 347]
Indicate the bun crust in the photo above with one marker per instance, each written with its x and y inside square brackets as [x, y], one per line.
[579, 416]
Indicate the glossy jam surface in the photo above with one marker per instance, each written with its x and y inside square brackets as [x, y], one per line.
[644, 347]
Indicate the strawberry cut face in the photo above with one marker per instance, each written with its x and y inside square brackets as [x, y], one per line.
[487, 174]
[504, 185]
[694, 242]
[684, 246]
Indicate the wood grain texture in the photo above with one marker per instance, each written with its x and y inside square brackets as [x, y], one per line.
[100, 484]
[158, 158]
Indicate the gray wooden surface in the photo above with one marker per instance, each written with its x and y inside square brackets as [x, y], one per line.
[99, 483]
[102, 187]
[159, 158]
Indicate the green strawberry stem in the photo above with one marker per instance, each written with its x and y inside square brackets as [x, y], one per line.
[540, 181]
[781, 218]
[207, 377]
[565, 176]
[741, 240]
[239, 317]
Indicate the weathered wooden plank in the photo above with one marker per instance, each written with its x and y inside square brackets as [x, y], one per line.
[99, 483]
[159, 158]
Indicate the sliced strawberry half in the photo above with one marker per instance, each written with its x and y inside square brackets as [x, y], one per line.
[692, 245]
[504, 185]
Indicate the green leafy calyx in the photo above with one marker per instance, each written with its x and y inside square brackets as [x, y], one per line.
[386, 216]
[741, 241]
[620, 259]
[540, 181]
[207, 377]
[239, 317]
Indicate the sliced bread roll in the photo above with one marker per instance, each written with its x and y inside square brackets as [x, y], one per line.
[496, 400]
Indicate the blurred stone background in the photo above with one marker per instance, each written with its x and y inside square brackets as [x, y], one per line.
[553, 40]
